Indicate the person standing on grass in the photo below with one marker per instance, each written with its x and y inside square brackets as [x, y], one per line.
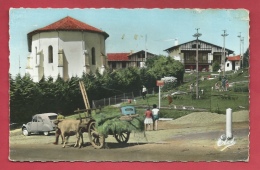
[191, 87]
[148, 119]
[227, 85]
[155, 112]
[144, 91]
[223, 83]
[217, 86]
[169, 97]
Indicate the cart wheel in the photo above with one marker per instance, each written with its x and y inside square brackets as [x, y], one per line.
[122, 137]
[96, 139]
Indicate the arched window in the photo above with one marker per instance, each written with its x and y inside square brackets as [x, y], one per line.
[227, 64]
[50, 51]
[93, 56]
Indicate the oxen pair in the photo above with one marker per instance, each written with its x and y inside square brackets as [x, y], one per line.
[69, 127]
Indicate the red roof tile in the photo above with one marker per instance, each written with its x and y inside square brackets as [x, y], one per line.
[69, 23]
[234, 58]
[118, 56]
[65, 24]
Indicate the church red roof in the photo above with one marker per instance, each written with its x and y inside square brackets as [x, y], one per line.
[69, 23]
[118, 56]
[234, 58]
[66, 24]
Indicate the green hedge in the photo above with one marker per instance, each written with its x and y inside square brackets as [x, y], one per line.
[241, 88]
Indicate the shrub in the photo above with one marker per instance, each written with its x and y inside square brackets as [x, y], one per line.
[215, 66]
[175, 114]
[241, 88]
[169, 86]
[193, 96]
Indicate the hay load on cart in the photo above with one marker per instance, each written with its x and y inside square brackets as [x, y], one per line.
[120, 124]
[117, 123]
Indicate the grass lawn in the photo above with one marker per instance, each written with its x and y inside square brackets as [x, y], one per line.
[215, 103]
[210, 100]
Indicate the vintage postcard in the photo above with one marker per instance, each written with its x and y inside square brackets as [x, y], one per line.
[129, 85]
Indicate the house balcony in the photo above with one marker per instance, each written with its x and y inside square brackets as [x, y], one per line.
[200, 62]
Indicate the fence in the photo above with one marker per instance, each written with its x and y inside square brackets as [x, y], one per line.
[125, 97]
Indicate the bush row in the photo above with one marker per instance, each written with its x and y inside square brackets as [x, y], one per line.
[28, 98]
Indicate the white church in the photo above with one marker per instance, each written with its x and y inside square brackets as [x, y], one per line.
[67, 48]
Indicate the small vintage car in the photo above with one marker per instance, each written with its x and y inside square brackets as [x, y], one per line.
[128, 110]
[41, 123]
[178, 93]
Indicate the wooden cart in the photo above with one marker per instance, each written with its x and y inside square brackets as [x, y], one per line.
[96, 139]
[88, 123]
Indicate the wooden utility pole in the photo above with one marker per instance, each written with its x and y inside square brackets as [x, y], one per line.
[197, 35]
[224, 52]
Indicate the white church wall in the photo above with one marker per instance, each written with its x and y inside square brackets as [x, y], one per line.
[73, 44]
[50, 39]
[35, 58]
[98, 42]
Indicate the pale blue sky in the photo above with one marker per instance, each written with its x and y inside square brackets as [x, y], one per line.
[161, 26]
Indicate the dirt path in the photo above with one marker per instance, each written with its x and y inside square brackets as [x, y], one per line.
[174, 141]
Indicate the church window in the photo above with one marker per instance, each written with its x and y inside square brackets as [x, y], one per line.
[50, 51]
[93, 56]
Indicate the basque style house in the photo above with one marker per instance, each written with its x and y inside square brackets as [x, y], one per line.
[124, 60]
[67, 48]
[207, 54]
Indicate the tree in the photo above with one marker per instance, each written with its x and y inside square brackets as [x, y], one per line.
[167, 66]
[73, 99]
[215, 66]
[147, 78]
[246, 59]
[23, 98]
[128, 79]
[151, 61]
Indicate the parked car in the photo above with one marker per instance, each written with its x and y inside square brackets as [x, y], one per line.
[41, 123]
[169, 79]
[128, 110]
[178, 93]
[188, 70]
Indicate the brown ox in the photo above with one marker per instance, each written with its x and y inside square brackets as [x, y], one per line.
[69, 127]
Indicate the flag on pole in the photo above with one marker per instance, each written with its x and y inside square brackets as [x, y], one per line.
[123, 36]
[136, 36]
